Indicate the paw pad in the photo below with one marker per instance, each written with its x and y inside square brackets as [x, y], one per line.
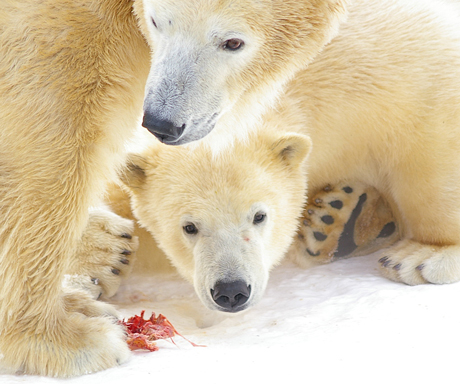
[346, 243]
[388, 229]
[337, 204]
[320, 236]
[327, 219]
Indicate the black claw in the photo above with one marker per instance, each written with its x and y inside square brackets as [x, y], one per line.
[313, 254]
[319, 236]
[99, 296]
[318, 201]
[387, 263]
[420, 267]
[383, 259]
[328, 219]
[337, 204]
[347, 189]
[397, 267]
[126, 236]
[95, 280]
[306, 223]
[124, 261]
[115, 271]
[126, 252]
[310, 211]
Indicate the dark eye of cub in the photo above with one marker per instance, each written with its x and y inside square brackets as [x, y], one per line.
[190, 229]
[259, 217]
[233, 44]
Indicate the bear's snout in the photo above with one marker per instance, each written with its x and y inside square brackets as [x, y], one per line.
[231, 296]
[164, 130]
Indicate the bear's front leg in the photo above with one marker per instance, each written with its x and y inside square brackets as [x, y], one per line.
[105, 254]
[73, 79]
[345, 220]
[45, 195]
[44, 329]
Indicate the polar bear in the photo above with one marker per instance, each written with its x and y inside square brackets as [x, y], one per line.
[72, 79]
[223, 221]
[377, 90]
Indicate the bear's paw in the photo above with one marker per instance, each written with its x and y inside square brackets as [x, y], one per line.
[413, 263]
[348, 219]
[105, 254]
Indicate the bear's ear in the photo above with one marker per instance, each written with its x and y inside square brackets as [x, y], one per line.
[292, 148]
[133, 174]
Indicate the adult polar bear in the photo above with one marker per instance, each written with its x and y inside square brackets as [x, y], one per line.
[72, 79]
[381, 101]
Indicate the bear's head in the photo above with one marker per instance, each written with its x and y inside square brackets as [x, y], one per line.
[224, 61]
[224, 221]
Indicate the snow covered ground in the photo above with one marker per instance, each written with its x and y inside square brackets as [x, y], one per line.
[341, 322]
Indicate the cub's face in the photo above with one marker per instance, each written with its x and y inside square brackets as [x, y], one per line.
[222, 62]
[223, 221]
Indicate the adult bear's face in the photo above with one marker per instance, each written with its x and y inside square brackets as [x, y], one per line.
[221, 63]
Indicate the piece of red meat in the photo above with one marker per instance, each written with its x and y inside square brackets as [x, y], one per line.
[142, 333]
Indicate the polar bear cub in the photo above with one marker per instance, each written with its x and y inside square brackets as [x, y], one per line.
[224, 221]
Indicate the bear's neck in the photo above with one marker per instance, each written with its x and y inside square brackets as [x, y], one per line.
[114, 9]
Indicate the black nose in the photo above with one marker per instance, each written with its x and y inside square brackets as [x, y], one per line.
[164, 130]
[232, 295]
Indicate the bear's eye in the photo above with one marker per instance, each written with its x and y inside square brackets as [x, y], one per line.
[153, 22]
[259, 217]
[190, 229]
[233, 44]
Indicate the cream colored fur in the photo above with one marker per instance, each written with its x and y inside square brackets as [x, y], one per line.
[72, 84]
[194, 81]
[380, 100]
[220, 196]
[380, 103]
